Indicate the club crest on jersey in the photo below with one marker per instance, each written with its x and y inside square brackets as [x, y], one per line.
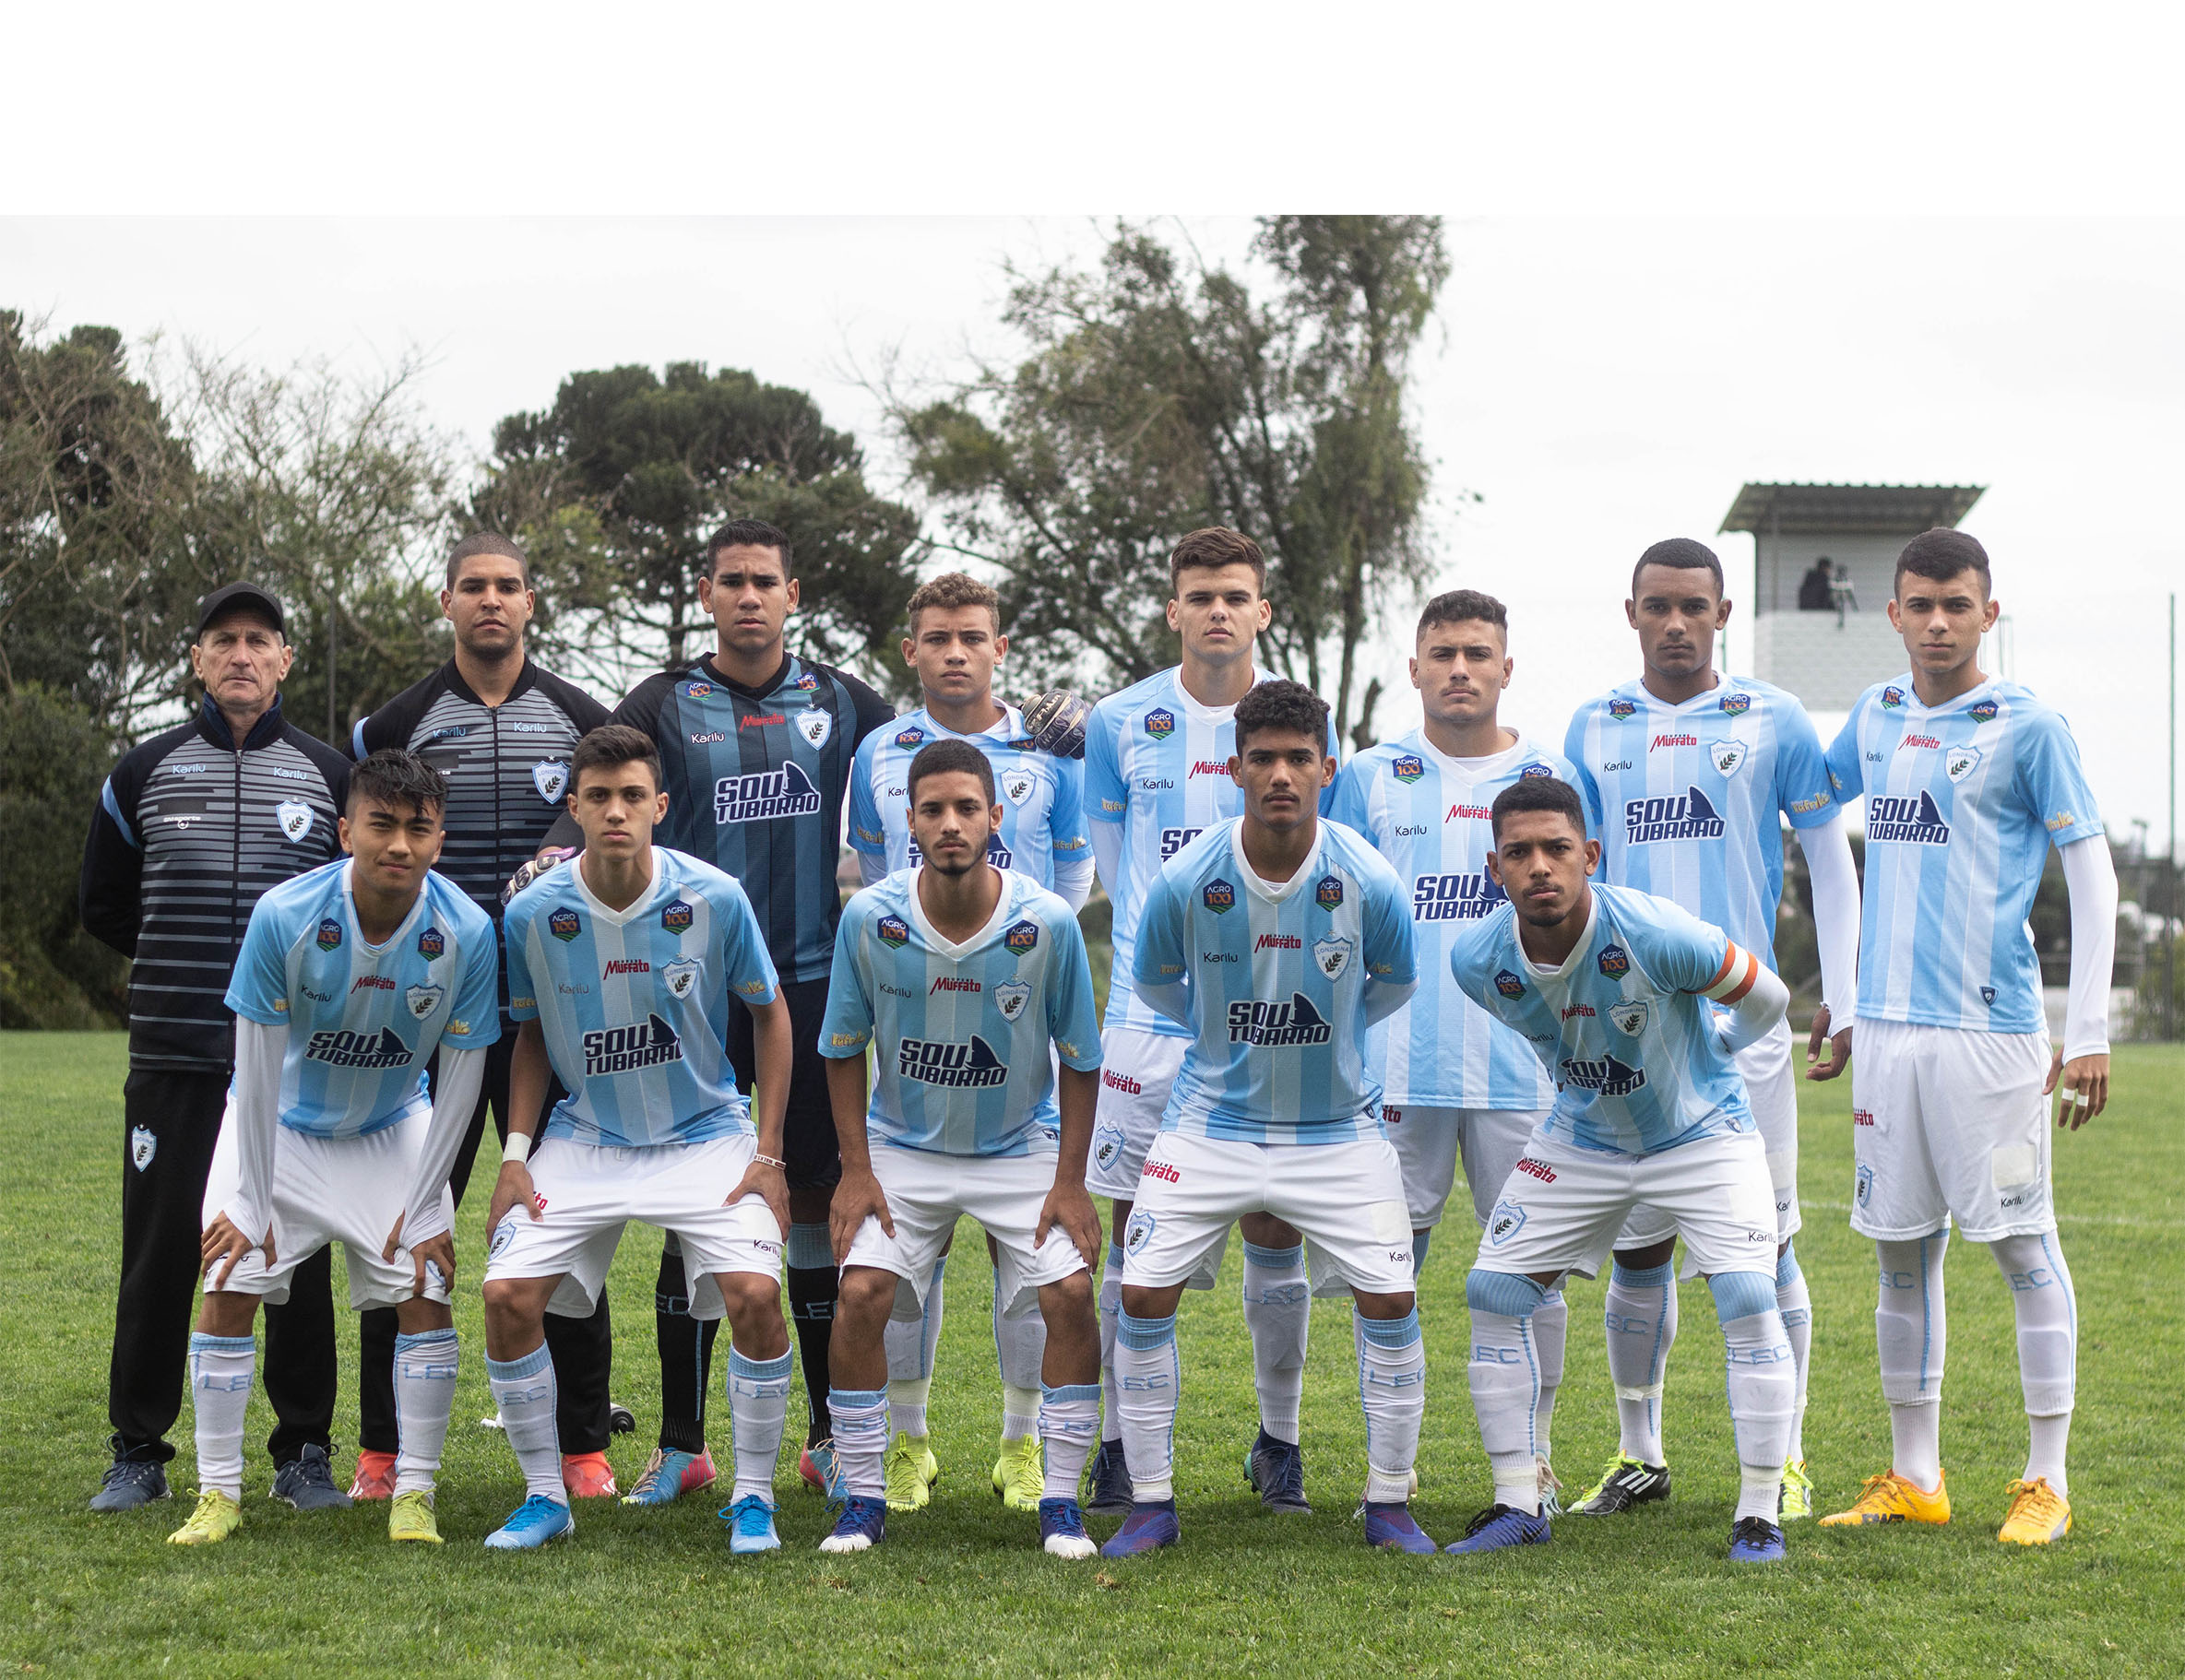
[1160, 722]
[1328, 894]
[329, 934]
[430, 944]
[894, 931]
[561, 923]
[1509, 985]
[1219, 895]
[1010, 997]
[1408, 768]
[814, 725]
[1736, 705]
[1987, 995]
[1614, 963]
[1609, 1076]
[1017, 785]
[696, 691]
[1984, 712]
[1022, 937]
[680, 977]
[1332, 956]
[1725, 756]
[295, 819]
[1961, 761]
[1535, 770]
[1629, 1017]
[910, 737]
[1505, 1222]
[143, 1146]
[1891, 698]
[1622, 708]
[551, 777]
[423, 999]
[676, 918]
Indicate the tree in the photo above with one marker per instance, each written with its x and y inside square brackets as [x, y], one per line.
[615, 488]
[1161, 394]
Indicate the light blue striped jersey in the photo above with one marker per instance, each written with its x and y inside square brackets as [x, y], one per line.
[1963, 802]
[1042, 796]
[635, 1003]
[1277, 1051]
[1636, 1056]
[1158, 763]
[363, 1020]
[1429, 815]
[962, 1031]
[1685, 798]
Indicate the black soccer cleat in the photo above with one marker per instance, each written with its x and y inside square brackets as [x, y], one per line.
[1277, 1472]
[1627, 1482]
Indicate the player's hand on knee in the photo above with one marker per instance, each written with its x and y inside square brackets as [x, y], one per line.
[223, 1245]
[512, 1186]
[857, 1198]
[437, 1251]
[764, 1178]
[1839, 1047]
[1071, 1208]
[2086, 1081]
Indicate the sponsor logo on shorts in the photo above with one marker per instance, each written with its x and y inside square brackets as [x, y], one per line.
[625, 966]
[1862, 1116]
[765, 795]
[1278, 1025]
[329, 934]
[370, 983]
[1219, 897]
[1408, 768]
[1906, 820]
[1607, 1075]
[1161, 1170]
[1022, 937]
[1614, 965]
[1454, 898]
[430, 944]
[1538, 1170]
[676, 918]
[1508, 984]
[1160, 722]
[1328, 894]
[1689, 816]
[1120, 1082]
[625, 1049]
[561, 923]
[342, 1048]
[957, 1067]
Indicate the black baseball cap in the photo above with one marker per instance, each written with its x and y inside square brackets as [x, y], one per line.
[228, 597]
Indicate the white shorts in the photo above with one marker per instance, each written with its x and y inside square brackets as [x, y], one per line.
[1563, 1205]
[1430, 1142]
[1771, 1086]
[587, 1194]
[349, 1190]
[1347, 1200]
[1950, 1125]
[1136, 1069]
[928, 1193]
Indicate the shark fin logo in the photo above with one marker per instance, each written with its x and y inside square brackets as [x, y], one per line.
[627, 1049]
[1607, 1075]
[957, 1067]
[1279, 1026]
[1689, 816]
[1906, 820]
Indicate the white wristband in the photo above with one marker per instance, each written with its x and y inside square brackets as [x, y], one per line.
[517, 1148]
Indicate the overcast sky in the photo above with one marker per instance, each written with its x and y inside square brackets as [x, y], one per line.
[1600, 383]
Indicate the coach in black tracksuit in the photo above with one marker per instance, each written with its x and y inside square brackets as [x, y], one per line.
[192, 827]
[500, 731]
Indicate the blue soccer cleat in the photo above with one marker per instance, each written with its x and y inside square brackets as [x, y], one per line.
[751, 1526]
[1111, 1494]
[1394, 1528]
[1498, 1527]
[858, 1527]
[1755, 1540]
[131, 1482]
[306, 1483]
[1062, 1529]
[671, 1473]
[537, 1520]
[1147, 1529]
[1277, 1472]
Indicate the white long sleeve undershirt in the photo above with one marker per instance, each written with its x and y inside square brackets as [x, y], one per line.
[254, 1112]
[1835, 918]
[2090, 876]
[462, 1072]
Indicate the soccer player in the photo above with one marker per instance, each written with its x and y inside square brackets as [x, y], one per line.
[755, 744]
[1454, 1080]
[1157, 775]
[620, 969]
[962, 975]
[500, 731]
[1688, 776]
[1276, 939]
[192, 827]
[350, 977]
[1968, 780]
[955, 645]
[1614, 988]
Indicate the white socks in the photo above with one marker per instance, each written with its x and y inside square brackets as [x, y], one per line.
[1148, 1373]
[758, 1408]
[1504, 1372]
[1552, 1325]
[1641, 1316]
[860, 1439]
[220, 1370]
[1111, 1304]
[1279, 1313]
[524, 1391]
[907, 1404]
[1796, 1305]
[1391, 1391]
[1020, 1349]
[2048, 1347]
[1762, 1387]
[424, 1396]
[1911, 1336]
[1069, 1424]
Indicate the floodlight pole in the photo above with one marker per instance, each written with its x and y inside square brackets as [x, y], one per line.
[2169, 936]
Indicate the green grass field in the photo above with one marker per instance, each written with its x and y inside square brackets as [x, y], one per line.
[960, 1588]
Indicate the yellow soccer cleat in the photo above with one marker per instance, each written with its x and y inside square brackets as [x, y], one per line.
[1797, 1501]
[410, 1518]
[2038, 1514]
[1020, 1474]
[215, 1519]
[1891, 1498]
[911, 1473]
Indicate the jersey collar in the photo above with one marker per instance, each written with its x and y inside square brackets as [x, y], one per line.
[636, 906]
[525, 679]
[1257, 884]
[349, 912]
[949, 948]
[1569, 965]
[1472, 769]
[1724, 684]
[774, 684]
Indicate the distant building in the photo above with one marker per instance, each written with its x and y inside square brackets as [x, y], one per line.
[1827, 648]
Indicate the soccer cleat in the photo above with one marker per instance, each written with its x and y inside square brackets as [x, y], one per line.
[215, 1519]
[1625, 1483]
[410, 1518]
[859, 1526]
[534, 1522]
[129, 1483]
[306, 1483]
[589, 1475]
[822, 1472]
[1796, 1503]
[1277, 1472]
[1110, 1483]
[670, 1473]
[1755, 1540]
[1020, 1473]
[1498, 1528]
[1394, 1529]
[1892, 1498]
[912, 1471]
[751, 1526]
[1147, 1529]
[2038, 1514]
[375, 1476]
[1062, 1529]
[1550, 1490]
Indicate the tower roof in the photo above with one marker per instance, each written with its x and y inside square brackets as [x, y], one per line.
[1862, 510]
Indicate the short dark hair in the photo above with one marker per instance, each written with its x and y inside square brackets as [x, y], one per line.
[1280, 703]
[748, 534]
[940, 757]
[485, 542]
[1537, 793]
[1684, 555]
[1942, 553]
[614, 744]
[1462, 606]
[1216, 545]
[395, 778]
[953, 590]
